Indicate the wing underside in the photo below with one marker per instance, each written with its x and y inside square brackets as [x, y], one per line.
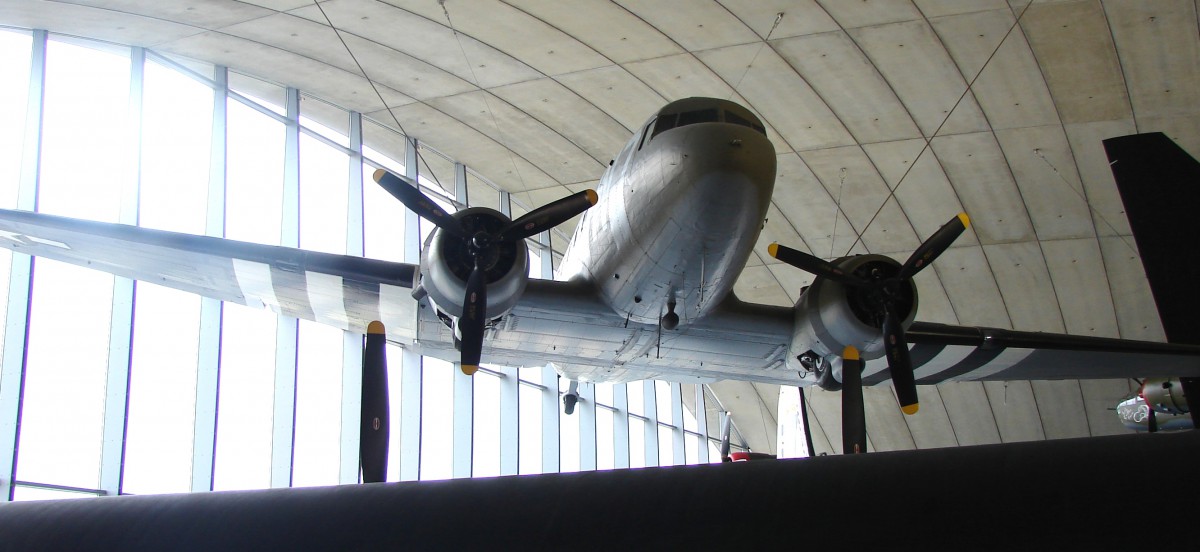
[555, 322]
[962, 353]
[343, 291]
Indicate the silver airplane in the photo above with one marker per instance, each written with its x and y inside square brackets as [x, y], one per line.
[644, 290]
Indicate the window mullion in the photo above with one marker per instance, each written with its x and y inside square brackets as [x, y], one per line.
[12, 373]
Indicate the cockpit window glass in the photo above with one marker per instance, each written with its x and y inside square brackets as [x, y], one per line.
[665, 123]
[645, 135]
[671, 120]
[731, 117]
[699, 116]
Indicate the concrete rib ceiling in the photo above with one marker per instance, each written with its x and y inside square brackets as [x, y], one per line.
[992, 107]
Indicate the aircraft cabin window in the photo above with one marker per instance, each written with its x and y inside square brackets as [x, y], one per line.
[731, 117]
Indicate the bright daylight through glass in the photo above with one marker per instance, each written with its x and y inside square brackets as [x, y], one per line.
[194, 388]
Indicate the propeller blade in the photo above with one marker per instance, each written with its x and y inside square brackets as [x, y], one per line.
[934, 246]
[854, 416]
[470, 324]
[807, 430]
[899, 362]
[548, 216]
[726, 426]
[373, 423]
[813, 265]
[404, 190]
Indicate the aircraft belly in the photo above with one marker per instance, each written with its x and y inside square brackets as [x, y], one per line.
[678, 260]
[562, 323]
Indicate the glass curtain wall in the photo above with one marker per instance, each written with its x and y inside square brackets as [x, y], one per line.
[115, 385]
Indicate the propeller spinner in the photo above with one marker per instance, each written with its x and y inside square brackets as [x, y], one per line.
[481, 245]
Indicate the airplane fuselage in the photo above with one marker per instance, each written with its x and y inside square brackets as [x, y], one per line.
[680, 209]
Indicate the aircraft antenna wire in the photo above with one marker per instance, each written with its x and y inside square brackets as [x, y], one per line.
[374, 88]
[763, 44]
[486, 103]
[837, 208]
[1081, 194]
[929, 140]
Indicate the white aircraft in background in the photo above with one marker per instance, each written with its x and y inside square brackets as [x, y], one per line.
[645, 291]
[1159, 405]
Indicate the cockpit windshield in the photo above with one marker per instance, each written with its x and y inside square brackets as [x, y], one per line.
[668, 121]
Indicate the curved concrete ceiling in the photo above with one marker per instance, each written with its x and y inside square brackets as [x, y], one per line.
[888, 117]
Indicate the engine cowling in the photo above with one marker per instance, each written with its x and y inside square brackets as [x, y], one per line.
[830, 316]
[1165, 396]
[446, 263]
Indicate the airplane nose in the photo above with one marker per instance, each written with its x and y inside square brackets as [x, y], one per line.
[736, 165]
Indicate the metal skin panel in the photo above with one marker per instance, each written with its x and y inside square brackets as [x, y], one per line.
[684, 210]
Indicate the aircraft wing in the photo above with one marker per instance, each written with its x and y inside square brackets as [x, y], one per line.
[942, 352]
[560, 322]
[343, 291]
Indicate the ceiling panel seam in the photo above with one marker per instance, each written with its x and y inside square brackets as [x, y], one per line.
[912, 118]
[489, 92]
[750, 106]
[907, 426]
[302, 56]
[612, 63]
[1121, 63]
[774, 277]
[1037, 405]
[1008, 168]
[1093, 213]
[790, 224]
[200, 29]
[949, 419]
[343, 32]
[1083, 400]
[857, 142]
[991, 409]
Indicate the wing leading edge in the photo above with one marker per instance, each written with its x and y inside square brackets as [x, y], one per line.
[942, 352]
[343, 291]
[563, 323]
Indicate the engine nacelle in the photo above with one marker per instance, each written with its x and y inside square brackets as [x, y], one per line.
[830, 316]
[446, 263]
[1165, 396]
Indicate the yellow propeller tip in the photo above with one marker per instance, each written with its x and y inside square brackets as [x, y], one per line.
[378, 174]
[850, 353]
[910, 409]
[592, 197]
[773, 249]
[966, 221]
[375, 327]
[469, 369]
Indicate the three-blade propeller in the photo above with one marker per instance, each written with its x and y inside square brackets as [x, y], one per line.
[480, 244]
[895, 343]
